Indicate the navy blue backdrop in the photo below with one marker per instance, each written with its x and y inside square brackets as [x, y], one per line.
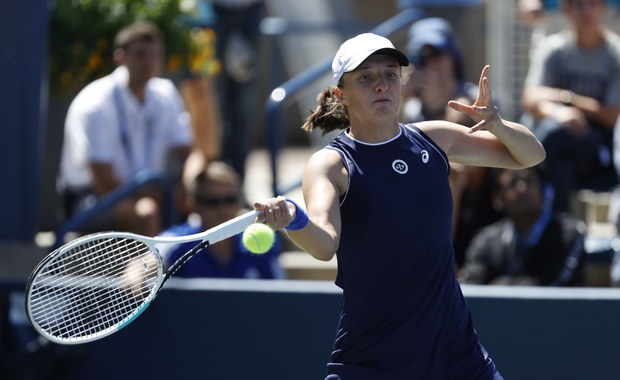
[23, 41]
[208, 329]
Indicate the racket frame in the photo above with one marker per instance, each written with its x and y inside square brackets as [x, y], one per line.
[208, 237]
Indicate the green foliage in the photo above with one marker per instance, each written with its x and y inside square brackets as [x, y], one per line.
[82, 34]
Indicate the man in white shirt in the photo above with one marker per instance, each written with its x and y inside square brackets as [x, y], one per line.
[125, 122]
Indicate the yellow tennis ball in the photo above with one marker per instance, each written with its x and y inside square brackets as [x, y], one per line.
[258, 238]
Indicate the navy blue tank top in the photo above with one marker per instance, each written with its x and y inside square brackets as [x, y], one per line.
[403, 313]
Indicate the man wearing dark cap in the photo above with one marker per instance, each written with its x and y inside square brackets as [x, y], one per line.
[438, 76]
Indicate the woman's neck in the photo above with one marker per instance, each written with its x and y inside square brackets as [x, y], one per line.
[373, 134]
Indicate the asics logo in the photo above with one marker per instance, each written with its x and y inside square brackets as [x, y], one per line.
[400, 166]
[424, 156]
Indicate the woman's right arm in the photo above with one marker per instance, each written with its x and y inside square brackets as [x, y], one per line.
[325, 179]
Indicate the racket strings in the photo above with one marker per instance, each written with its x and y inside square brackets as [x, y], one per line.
[93, 287]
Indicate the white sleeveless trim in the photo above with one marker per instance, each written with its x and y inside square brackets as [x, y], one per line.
[400, 132]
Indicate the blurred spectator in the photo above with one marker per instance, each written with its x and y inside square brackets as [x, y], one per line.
[532, 245]
[196, 82]
[572, 100]
[532, 14]
[555, 4]
[437, 76]
[125, 122]
[435, 3]
[613, 212]
[468, 20]
[614, 270]
[530, 11]
[237, 38]
[215, 196]
[543, 18]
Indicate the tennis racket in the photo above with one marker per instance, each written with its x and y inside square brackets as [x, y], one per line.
[95, 285]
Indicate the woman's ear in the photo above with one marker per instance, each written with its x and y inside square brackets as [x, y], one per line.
[340, 95]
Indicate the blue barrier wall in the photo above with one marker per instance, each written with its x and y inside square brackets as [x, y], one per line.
[228, 330]
[23, 43]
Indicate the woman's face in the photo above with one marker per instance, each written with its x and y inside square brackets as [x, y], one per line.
[372, 91]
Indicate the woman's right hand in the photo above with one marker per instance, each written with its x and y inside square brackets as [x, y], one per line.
[275, 212]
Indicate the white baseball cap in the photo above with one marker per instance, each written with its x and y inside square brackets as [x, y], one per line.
[355, 50]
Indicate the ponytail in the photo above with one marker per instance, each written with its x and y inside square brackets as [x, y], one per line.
[329, 115]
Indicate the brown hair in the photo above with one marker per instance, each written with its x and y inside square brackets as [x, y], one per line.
[138, 31]
[329, 115]
[215, 171]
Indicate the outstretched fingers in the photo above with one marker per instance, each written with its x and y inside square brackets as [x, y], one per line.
[489, 115]
[483, 111]
[474, 111]
[458, 106]
[484, 92]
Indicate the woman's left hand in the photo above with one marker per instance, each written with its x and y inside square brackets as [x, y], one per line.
[484, 111]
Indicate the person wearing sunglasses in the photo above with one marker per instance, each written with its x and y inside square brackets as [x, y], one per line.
[437, 74]
[532, 244]
[214, 197]
[436, 77]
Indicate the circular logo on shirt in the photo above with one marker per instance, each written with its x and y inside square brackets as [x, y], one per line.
[400, 166]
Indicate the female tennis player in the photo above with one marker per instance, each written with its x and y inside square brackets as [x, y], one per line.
[378, 197]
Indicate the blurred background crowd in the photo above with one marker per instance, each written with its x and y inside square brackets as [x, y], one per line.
[134, 99]
[197, 83]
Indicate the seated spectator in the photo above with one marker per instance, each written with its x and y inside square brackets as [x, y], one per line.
[215, 197]
[438, 76]
[238, 47]
[614, 269]
[572, 100]
[532, 245]
[118, 125]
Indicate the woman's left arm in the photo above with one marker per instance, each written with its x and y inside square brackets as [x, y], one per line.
[492, 141]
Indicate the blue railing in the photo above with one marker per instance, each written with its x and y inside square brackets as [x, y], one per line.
[283, 93]
[140, 180]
